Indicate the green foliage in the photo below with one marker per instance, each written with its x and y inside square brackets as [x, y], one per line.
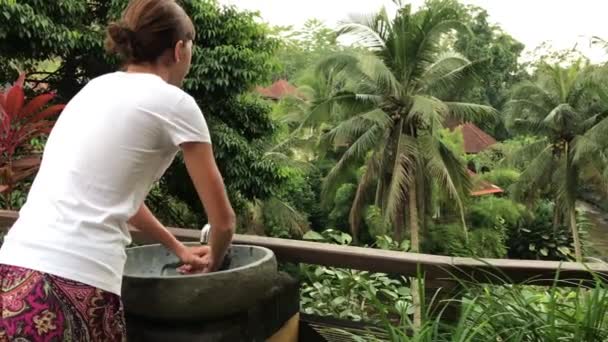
[490, 219]
[566, 107]
[537, 237]
[338, 217]
[345, 293]
[489, 212]
[496, 53]
[301, 48]
[375, 222]
[454, 140]
[447, 239]
[385, 242]
[503, 177]
[508, 313]
[282, 220]
[386, 107]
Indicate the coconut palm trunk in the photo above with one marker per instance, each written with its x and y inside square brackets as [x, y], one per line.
[415, 247]
[578, 253]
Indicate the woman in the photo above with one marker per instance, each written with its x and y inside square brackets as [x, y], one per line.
[61, 263]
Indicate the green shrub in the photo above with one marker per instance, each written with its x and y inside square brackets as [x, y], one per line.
[511, 314]
[537, 238]
[347, 294]
[502, 177]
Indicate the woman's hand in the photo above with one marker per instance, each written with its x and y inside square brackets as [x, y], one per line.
[198, 259]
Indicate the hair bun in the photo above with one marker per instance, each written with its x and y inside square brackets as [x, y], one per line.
[149, 30]
[119, 40]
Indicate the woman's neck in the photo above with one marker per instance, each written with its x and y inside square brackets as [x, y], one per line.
[149, 69]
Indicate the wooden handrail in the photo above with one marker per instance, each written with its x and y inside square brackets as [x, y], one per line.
[434, 267]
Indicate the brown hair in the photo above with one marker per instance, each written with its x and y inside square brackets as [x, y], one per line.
[147, 29]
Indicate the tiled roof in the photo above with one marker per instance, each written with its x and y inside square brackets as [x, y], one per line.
[277, 90]
[475, 139]
[482, 188]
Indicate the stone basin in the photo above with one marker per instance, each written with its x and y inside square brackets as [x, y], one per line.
[152, 287]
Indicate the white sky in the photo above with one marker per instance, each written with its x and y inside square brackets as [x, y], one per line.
[562, 23]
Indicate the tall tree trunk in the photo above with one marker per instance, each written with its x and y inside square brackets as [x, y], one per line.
[557, 220]
[378, 196]
[413, 218]
[571, 177]
[399, 225]
[415, 247]
[578, 253]
[421, 190]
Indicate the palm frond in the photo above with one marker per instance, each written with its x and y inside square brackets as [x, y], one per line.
[347, 131]
[517, 108]
[536, 176]
[366, 142]
[369, 178]
[470, 112]
[403, 173]
[447, 67]
[428, 110]
[562, 118]
[523, 155]
[285, 160]
[594, 140]
[380, 75]
[283, 212]
[447, 170]
[529, 89]
[531, 126]
[363, 34]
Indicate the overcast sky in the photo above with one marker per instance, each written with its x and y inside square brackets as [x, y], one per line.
[563, 23]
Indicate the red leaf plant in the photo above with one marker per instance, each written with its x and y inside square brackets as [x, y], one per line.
[21, 122]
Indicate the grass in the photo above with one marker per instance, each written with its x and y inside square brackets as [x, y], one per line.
[508, 313]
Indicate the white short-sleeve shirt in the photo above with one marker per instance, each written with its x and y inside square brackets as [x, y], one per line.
[113, 140]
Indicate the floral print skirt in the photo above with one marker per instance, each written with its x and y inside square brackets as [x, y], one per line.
[37, 306]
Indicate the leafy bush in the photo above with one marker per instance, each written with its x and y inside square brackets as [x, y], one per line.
[502, 177]
[490, 211]
[343, 200]
[375, 222]
[537, 238]
[347, 294]
[447, 239]
[489, 219]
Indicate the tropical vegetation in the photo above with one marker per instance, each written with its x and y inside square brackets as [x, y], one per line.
[368, 143]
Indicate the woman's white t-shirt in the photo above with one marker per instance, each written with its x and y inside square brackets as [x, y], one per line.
[113, 140]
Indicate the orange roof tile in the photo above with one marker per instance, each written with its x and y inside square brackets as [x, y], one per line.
[482, 188]
[475, 139]
[278, 90]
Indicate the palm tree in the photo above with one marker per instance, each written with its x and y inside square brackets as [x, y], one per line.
[566, 106]
[393, 102]
[386, 106]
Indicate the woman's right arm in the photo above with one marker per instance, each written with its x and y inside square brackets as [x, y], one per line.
[209, 185]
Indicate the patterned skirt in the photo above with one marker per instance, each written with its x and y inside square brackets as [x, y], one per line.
[36, 306]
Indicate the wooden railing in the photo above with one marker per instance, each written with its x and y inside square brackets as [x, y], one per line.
[435, 268]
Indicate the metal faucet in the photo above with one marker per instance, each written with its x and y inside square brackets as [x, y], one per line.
[205, 234]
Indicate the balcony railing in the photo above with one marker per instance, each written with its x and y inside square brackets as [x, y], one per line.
[438, 271]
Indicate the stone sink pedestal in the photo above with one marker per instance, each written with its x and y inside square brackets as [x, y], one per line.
[248, 301]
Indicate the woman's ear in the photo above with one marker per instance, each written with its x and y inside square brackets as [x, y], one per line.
[177, 52]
